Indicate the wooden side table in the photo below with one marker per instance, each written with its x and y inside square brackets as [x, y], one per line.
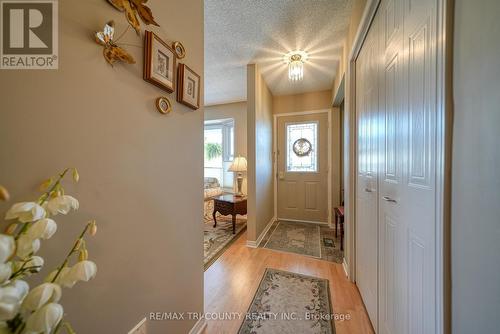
[230, 205]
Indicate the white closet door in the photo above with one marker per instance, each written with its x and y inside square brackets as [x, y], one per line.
[366, 198]
[407, 192]
[396, 75]
[419, 157]
[392, 219]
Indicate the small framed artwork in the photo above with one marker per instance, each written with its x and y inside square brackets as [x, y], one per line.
[188, 87]
[159, 62]
[163, 105]
[179, 49]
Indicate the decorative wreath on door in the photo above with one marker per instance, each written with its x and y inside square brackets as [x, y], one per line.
[302, 147]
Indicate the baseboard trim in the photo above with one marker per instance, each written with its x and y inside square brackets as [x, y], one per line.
[304, 221]
[251, 244]
[198, 327]
[346, 267]
[255, 244]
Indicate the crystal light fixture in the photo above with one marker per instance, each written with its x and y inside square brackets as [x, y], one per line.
[295, 61]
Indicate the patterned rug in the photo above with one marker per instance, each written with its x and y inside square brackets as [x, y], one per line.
[300, 238]
[286, 302]
[217, 239]
[305, 239]
[329, 252]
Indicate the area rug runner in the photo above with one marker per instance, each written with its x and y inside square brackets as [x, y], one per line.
[217, 239]
[286, 302]
[305, 239]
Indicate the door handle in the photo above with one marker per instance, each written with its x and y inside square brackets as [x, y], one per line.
[368, 190]
[388, 199]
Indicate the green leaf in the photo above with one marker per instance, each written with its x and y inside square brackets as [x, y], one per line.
[213, 150]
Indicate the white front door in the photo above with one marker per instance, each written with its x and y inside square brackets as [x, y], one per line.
[302, 167]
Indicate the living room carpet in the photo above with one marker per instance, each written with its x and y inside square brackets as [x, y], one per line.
[286, 302]
[218, 239]
[305, 239]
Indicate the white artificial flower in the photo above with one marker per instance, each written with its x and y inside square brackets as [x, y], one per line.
[41, 295]
[11, 297]
[7, 247]
[62, 204]
[62, 279]
[26, 246]
[26, 212]
[81, 271]
[44, 320]
[8, 310]
[5, 272]
[35, 261]
[42, 229]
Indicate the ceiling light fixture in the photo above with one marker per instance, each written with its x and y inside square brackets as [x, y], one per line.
[295, 61]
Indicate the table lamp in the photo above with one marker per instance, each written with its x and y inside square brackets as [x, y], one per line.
[239, 165]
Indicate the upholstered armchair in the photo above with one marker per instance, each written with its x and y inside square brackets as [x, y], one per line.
[211, 189]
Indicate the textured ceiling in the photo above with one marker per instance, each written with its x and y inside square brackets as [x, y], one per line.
[241, 32]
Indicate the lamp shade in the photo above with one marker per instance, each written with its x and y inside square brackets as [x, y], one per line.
[239, 165]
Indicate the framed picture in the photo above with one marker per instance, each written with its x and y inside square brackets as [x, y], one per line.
[159, 62]
[188, 87]
[179, 49]
[163, 105]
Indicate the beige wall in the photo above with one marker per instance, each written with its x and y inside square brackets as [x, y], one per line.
[237, 111]
[348, 128]
[141, 172]
[475, 221]
[302, 102]
[260, 153]
[358, 8]
[317, 101]
[336, 159]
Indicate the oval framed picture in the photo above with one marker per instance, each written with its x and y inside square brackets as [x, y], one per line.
[179, 49]
[163, 105]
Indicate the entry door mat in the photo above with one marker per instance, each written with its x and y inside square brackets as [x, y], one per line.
[301, 238]
[327, 242]
[287, 302]
[294, 237]
[330, 252]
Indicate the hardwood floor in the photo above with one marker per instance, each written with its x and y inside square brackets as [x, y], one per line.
[231, 282]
